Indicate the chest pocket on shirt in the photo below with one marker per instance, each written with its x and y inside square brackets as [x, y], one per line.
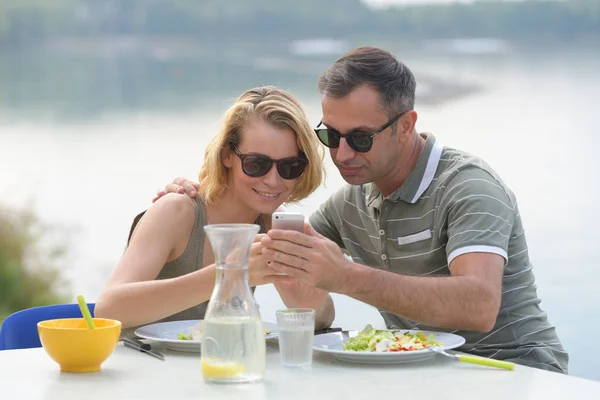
[415, 237]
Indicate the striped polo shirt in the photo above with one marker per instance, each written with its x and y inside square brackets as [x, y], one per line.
[451, 204]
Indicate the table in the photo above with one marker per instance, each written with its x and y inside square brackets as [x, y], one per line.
[30, 374]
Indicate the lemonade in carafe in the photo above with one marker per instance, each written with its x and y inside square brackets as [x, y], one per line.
[233, 338]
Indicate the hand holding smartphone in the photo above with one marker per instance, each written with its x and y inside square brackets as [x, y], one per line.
[288, 221]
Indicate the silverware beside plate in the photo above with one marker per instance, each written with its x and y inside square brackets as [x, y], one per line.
[143, 347]
[474, 359]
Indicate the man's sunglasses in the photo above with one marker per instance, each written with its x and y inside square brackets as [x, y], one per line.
[257, 165]
[359, 141]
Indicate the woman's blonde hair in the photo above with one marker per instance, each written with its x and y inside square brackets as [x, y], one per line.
[278, 108]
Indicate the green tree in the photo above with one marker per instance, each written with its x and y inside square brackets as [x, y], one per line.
[29, 274]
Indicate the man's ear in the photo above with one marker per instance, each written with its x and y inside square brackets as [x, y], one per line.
[406, 125]
[227, 157]
[409, 121]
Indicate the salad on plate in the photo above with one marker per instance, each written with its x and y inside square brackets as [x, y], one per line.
[381, 341]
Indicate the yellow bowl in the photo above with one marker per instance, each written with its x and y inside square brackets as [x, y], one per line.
[74, 346]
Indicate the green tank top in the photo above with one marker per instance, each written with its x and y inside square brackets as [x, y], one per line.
[189, 261]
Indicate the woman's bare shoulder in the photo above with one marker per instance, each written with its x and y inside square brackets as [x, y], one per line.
[170, 214]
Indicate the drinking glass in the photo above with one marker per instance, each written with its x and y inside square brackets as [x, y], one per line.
[296, 332]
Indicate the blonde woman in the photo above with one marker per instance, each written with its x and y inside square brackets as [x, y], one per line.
[264, 155]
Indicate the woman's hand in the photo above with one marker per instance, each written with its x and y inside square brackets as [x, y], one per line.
[260, 271]
[294, 293]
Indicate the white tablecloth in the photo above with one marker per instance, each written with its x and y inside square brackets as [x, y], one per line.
[30, 374]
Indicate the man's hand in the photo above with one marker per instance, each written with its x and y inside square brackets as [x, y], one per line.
[309, 257]
[315, 266]
[180, 185]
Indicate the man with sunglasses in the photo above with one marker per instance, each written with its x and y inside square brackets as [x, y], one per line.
[435, 235]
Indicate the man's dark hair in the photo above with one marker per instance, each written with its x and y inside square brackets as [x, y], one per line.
[376, 68]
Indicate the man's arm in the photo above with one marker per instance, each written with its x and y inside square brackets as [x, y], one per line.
[179, 185]
[478, 214]
[467, 300]
[325, 314]
[302, 295]
[296, 294]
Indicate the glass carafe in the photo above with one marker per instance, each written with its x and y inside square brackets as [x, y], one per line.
[233, 339]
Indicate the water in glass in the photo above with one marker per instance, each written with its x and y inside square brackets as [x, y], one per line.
[296, 347]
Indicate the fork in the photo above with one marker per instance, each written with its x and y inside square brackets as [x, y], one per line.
[474, 359]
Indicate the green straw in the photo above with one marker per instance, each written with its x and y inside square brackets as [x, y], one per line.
[85, 311]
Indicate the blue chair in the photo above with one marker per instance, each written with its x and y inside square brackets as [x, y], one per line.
[19, 330]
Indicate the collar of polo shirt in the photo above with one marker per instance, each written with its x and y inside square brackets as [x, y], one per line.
[419, 179]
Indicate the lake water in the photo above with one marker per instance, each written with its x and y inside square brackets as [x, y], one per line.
[87, 140]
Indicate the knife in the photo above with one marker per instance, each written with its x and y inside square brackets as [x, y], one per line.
[345, 333]
[327, 330]
[143, 347]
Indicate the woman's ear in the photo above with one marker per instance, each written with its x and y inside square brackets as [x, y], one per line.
[227, 157]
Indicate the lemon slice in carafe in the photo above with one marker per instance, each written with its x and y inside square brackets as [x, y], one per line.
[216, 369]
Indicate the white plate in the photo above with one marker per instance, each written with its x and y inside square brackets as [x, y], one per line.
[166, 333]
[332, 343]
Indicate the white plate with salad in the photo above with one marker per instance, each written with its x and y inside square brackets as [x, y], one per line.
[374, 346]
[185, 335]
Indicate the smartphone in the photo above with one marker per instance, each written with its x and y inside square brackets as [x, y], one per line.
[288, 221]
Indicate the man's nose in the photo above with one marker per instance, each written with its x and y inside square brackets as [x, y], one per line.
[344, 151]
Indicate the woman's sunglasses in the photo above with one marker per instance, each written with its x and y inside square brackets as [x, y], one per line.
[359, 141]
[257, 165]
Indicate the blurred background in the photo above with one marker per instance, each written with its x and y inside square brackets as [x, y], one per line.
[103, 102]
